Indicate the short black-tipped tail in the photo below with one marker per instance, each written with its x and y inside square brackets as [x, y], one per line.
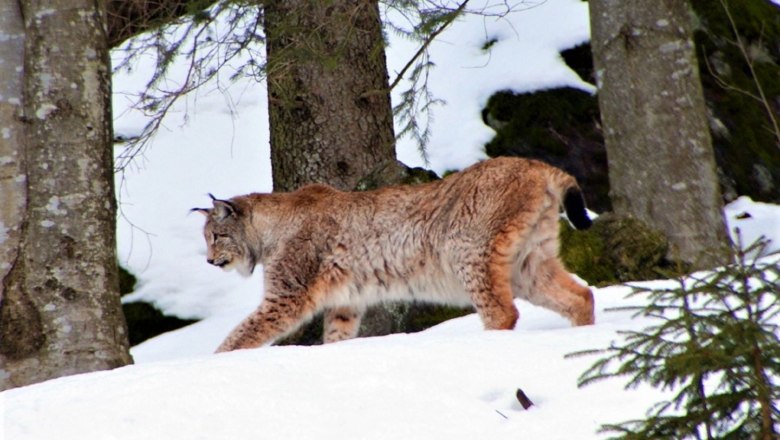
[574, 205]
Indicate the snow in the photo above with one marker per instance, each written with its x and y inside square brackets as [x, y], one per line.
[454, 381]
[749, 220]
[524, 58]
[400, 386]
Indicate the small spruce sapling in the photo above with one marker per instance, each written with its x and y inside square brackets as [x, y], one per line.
[714, 347]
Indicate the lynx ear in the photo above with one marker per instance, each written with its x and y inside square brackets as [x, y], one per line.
[203, 211]
[223, 209]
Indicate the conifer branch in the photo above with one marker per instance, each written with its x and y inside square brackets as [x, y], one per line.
[424, 47]
[717, 351]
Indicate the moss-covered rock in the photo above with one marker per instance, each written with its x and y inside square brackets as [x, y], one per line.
[580, 59]
[385, 319]
[126, 281]
[636, 250]
[144, 321]
[614, 250]
[308, 334]
[583, 253]
[408, 317]
[429, 315]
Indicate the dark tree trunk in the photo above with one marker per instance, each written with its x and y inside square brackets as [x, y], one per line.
[328, 100]
[661, 162]
[329, 107]
[61, 313]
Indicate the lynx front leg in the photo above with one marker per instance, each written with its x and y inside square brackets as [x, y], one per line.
[275, 317]
[340, 324]
[281, 313]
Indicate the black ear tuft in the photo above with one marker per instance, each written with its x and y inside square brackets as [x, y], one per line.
[204, 211]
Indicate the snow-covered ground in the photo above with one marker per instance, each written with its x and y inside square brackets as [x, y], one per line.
[453, 381]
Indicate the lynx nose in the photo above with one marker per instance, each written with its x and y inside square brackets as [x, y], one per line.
[218, 263]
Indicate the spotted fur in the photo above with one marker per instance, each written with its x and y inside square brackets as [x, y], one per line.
[483, 236]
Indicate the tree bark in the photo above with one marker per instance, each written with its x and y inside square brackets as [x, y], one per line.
[61, 312]
[661, 162]
[12, 182]
[329, 104]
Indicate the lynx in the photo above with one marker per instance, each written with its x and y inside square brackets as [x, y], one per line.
[482, 236]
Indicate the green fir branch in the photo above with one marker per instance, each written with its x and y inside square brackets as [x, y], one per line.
[713, 347]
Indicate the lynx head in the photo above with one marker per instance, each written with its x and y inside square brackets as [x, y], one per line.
[226, 238]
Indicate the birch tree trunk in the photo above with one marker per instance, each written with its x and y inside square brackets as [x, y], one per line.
[661, 162]
[13, 189]
[61, 312]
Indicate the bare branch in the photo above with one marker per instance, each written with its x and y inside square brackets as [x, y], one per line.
[424, 47]
[208, 49]
[749, 60]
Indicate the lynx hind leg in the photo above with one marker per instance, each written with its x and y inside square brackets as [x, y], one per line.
[340, 324]
[544, 282]
[488, 285]
[491, 289]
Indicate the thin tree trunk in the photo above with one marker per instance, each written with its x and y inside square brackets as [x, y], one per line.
[661, 162]
[61, 312]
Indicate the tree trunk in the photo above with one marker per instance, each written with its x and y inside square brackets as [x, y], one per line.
[328, 101]
[329, 106]
[12, 183]
[661, 162]
[61, 312]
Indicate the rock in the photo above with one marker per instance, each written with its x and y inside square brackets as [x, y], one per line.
[615, 250]
[144, 321]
